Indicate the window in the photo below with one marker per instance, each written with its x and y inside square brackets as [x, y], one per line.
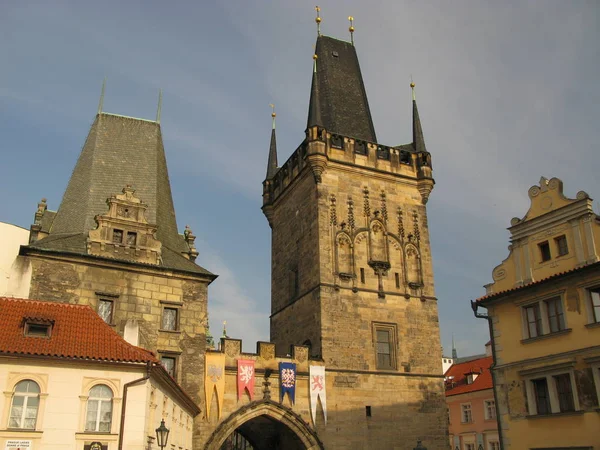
[397, 276]
[552, 392]
[469, 446]
[534, 320]
[545, 251]
[169, 319]
[489, 407]
[385, 345]
[494, 445]
[117, 236]
[540, 391]
[25, 403]
[33, 329]
[131, 238]
[595, 304]
[561, 245]
[368, 411]
[99, 409]
[466, 416]
[169, 363]
[564, 392]
[105, 310]
[556, 318]
[362, 275]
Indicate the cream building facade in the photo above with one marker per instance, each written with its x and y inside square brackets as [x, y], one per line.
[544, 314]
[14, 279]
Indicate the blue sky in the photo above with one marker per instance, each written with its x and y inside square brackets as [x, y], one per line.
[507, 92]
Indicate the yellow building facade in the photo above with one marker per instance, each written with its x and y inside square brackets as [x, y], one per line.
[544, 313]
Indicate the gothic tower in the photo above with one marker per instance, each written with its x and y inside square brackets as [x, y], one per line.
[351, 264]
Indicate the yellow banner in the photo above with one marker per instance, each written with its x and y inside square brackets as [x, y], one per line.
[214, 382]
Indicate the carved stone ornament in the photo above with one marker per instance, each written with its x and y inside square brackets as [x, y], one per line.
[301, 354]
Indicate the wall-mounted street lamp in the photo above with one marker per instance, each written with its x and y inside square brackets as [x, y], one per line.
[162, 434]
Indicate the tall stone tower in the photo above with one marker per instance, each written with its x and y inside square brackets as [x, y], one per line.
[352, 274]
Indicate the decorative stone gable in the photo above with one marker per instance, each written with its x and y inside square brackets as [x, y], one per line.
[124, 232]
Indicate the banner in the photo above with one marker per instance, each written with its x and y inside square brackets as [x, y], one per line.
[214, 381]
[245, 377]
[317, 389]
[287, 380]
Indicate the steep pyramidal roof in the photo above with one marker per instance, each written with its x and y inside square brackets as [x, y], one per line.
[119, 151]
[418, 139]
[340, 92]
[272, 162]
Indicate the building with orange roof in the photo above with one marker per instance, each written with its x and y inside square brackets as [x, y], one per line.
[70, 381]
[543, 309]
[471, 405]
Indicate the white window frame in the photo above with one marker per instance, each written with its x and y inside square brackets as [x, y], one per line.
[26, 396]
[486, 409]
[549, 373]
[543, 308]
[462, 410]
[100, 401]
[592, 319]
[595, 366]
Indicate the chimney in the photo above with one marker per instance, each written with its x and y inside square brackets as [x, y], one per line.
[132, 332]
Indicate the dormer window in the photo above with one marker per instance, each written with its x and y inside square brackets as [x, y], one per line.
[471, 377]
[131, 238]
[117, 236]
[37, 329]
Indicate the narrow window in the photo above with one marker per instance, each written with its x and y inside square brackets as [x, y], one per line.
[384, 356]
[556, 318]
[99, 409]
[368, 411]
[469, 446]
[169, 363]
[542, 398]
[169, 319]
[362, 275]
[494, 445]
[561, 245]
[117, 236]
[397, 276]
[545, 251]
[564, 391]
[490, 409]
[466, 416]
[132, 238]
[534, 320]
[25, 403]
[595, 299]
[105, 310]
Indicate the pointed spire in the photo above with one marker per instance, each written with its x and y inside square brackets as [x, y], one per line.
[351, 29]
[101, 102]
[225, 329]
[272, 162]
[454, 352]
[159, 106]
[418, 140]
[314, 107]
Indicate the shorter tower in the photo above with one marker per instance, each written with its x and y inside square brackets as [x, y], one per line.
[351, 264]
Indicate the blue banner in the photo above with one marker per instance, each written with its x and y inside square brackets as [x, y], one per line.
[287, 380]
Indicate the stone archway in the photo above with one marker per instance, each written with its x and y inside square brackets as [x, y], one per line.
[266, 425]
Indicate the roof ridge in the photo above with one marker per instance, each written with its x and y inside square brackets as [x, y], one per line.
[128, 117]
[45, 302]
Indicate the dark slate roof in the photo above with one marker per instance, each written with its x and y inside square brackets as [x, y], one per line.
[118, 151]
[339, 89]
[418, 140]
[272, 162]
[47, 220]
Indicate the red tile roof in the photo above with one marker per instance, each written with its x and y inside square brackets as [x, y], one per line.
[551, 277]
[458, 385]
[77, 333]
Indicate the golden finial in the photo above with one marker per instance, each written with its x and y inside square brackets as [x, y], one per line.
[351, 29]
[318, 20]
[273, 115]
[412, 86]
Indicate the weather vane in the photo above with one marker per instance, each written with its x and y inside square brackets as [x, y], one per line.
[273, 115]
[351, 29]
[318, 20]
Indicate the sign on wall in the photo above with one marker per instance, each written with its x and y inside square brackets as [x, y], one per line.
[18, 445]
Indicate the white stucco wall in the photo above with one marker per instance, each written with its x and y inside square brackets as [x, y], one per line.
[15, 273]
[61, 415]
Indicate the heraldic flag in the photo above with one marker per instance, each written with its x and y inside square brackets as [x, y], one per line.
[317, 389]
[287, 379]
[245, 377]
[214, 381]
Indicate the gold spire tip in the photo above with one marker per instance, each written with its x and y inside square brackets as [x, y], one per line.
[351, 19]
[315, 56]
[318, 20]
[412, 84]
[273, 115]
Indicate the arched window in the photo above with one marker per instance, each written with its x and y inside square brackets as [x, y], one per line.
[25, 403]
[99, 409]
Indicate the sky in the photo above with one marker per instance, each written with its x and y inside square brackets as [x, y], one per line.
[507, 92]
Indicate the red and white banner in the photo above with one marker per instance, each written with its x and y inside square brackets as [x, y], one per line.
[317, 390]
[245, 377]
